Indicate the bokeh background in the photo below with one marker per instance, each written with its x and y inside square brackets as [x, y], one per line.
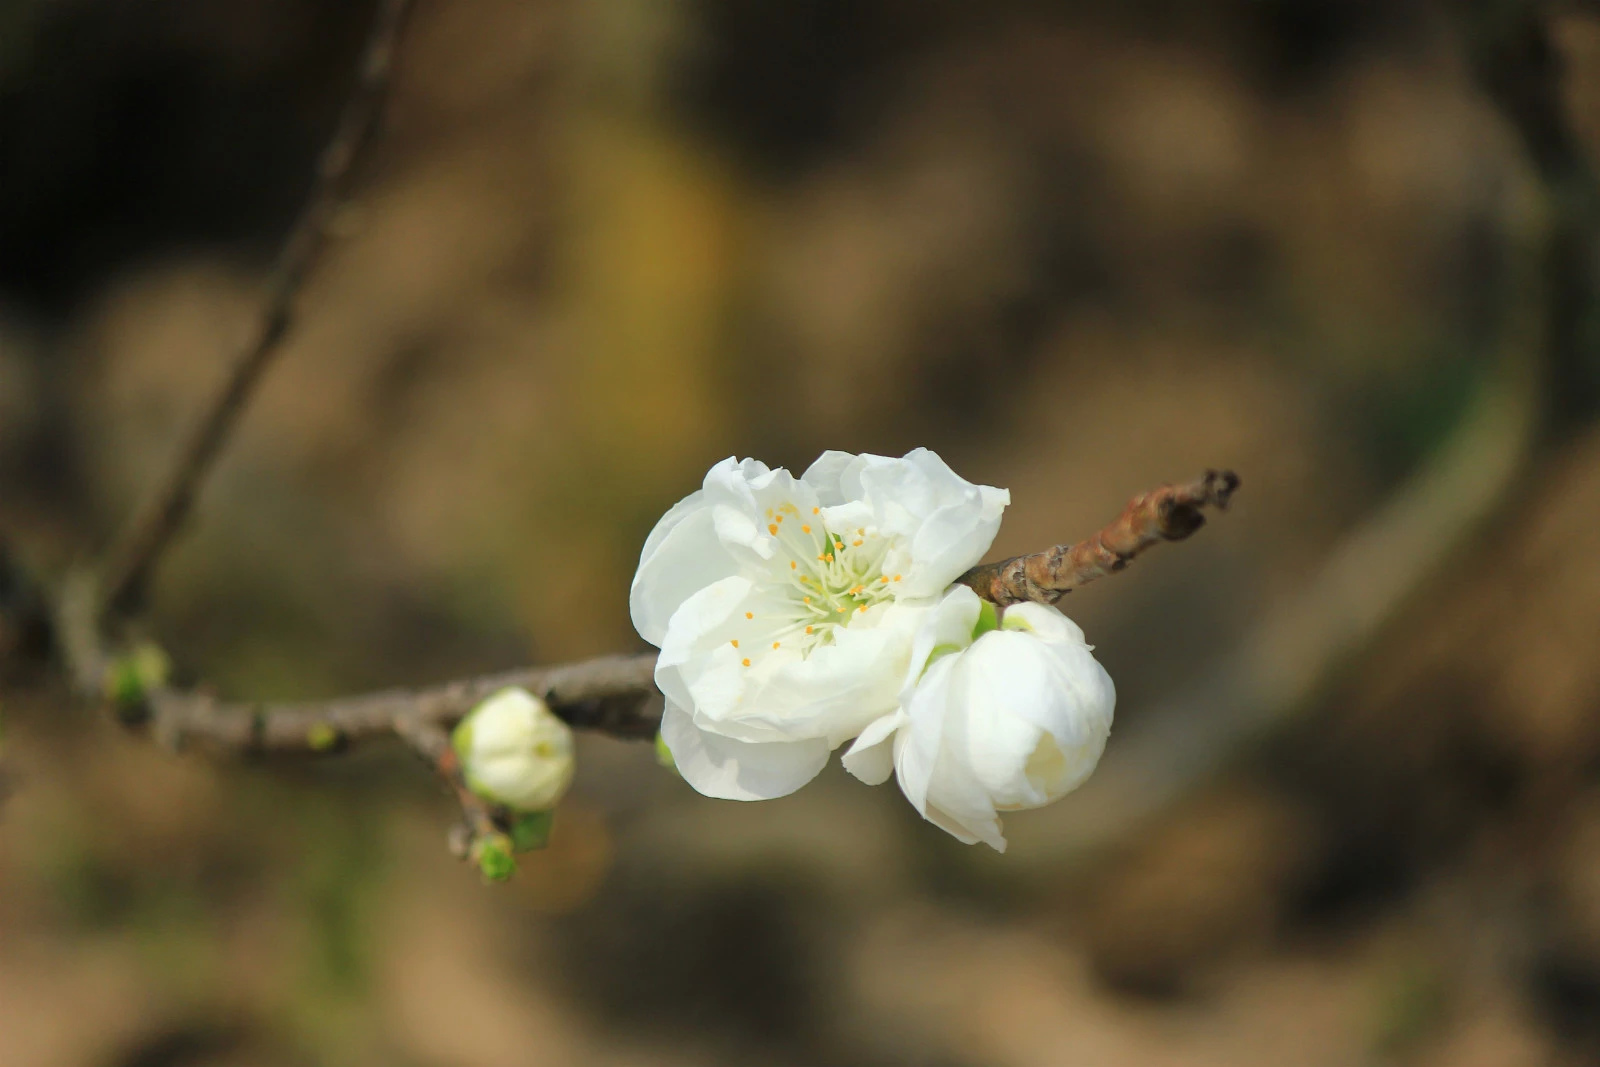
[1351, 810]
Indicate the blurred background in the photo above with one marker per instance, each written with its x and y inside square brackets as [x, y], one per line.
[1351, 810]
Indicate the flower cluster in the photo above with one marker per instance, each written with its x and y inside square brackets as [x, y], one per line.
[794, 615]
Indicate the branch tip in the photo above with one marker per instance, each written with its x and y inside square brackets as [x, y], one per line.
[1168, 513]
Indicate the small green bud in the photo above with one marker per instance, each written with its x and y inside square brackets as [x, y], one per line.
[321, 737]
[531, 830]
[492, 854]
[131, 676]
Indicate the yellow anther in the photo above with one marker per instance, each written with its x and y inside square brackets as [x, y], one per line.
[885, 578]
[862, 530]
[808, 600]
[862, 608]
[816, 511]
[805, 529]
[792, 566]
[745, 662]
[897, 577]
[809, 629]
[857, 543]
[749, 614]
[734, 642]
[775, 644]
[772, 528]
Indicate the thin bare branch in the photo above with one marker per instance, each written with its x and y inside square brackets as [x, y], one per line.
[480, 819]
[1170, 513]
[134, 555]
[613, 694]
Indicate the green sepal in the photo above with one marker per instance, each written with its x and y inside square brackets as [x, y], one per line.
[940, 652]
[664, 754]
[988, 619]
[492, 854]
[530, 830]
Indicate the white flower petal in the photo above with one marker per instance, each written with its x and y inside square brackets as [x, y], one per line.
[728, 483]
[736, 770]
[970, 828]
[1044, 622]
[681, 556]
[840, 688]
[737, 531]
[930, 760]
[949, 542]
[871, 758]
[948, 625]
[675, 514]
[917, 754]
[824, 476]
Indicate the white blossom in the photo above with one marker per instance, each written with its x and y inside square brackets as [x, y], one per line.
[1003, 718]
[515, 751]
[786, 608]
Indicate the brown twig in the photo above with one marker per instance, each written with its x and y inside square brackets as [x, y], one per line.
[1170, 513]
[613, 694]
[480, 820]
[136, 552]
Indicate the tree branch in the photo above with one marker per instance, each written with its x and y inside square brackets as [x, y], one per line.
[613, 694]
[135, 553]
[1170, 513]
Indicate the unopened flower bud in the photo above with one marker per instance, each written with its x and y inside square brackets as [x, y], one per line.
[515, 751]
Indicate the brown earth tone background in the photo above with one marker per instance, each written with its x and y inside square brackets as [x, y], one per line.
[1351, 811]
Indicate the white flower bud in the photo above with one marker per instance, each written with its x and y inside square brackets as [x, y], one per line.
[1015, 720]
[515, 751]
